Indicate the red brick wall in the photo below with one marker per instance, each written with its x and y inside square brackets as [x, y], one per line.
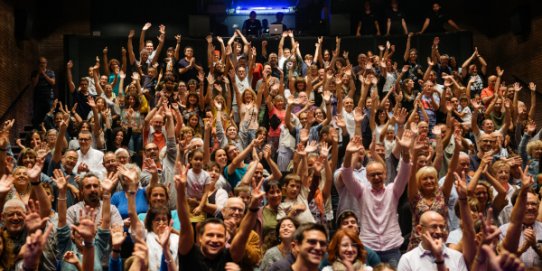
[17, 59]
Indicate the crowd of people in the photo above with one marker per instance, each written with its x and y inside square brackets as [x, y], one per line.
[275, 160]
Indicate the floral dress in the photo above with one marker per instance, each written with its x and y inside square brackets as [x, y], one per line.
[420, 205]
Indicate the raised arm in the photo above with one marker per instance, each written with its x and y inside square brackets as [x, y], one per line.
[406, 56]
[467, 224]
[449, 179]
[351, 184]
[238, 244]
[241, 156]
[532, 87]
[513, 234]
[142, 36]
[186, 238]
[161, 41]
[106, 62]
[69, 76]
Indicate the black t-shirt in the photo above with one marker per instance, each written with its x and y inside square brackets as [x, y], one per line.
[437, 21]
[368, 24]
[252, 27]
[396, 17]
[196, 261]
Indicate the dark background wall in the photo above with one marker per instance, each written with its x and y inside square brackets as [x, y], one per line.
[507, 33]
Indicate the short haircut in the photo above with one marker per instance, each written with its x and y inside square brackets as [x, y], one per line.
[14, 203]
[291, 177]
[344, 215]
[241, 188]
[299, 234]
[211, 220]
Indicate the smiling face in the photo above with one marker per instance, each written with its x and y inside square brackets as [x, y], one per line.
[158, 197]
[221, 157]
[348, 250]
[435, 224]
[212, 239]
[376, 174]
[286, 229]
[13, 218]
[312, 248]
[274, 196]
[21, 177]
[531, 209]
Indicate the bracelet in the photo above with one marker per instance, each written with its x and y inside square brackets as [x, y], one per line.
[89, 244]
[439, 262]
[254, 210]
[64, 198]
[116, 250]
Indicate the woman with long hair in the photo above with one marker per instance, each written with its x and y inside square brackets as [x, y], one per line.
[346, 252]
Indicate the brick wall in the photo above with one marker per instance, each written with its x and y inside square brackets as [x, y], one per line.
[17, 59]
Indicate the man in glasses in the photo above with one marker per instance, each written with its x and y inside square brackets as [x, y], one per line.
[310, 245]
[89, 159]
[432, 254]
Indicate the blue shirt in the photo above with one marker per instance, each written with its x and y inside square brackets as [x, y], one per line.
[121, 202]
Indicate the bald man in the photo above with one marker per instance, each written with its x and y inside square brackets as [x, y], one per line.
[233, 213]
[431, 253]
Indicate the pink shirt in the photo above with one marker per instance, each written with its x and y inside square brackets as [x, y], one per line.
[379, 223]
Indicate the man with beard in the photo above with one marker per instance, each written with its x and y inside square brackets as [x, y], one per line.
[524, 233]
[310, 246]
[91, 191]
[211, 253]
[432, 254]
[66, 163]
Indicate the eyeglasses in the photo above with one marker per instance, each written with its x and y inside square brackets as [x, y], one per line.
[314, 242]
[236, 209]
[349, 245]
[84, 139]
[151, 149]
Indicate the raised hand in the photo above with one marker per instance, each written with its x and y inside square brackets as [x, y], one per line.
[131, 175]
[475, 104]
[461, 185]
[324, 149]
[109, 181]
[531, 127]
[71, 257]
[354, 145]
[339, 120]
[146, 26]
[6, 183]
[407, 139]
[118, 235]
[435, 244]
[33, 248]
[400, 116]
[69, 66]
[86, 227]
[500, 71]
[32, 219]
[150, 166]
[181, 175]
[163, 233]
[358, 114]
[59, 179]
[311, 147]
[91, 102]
